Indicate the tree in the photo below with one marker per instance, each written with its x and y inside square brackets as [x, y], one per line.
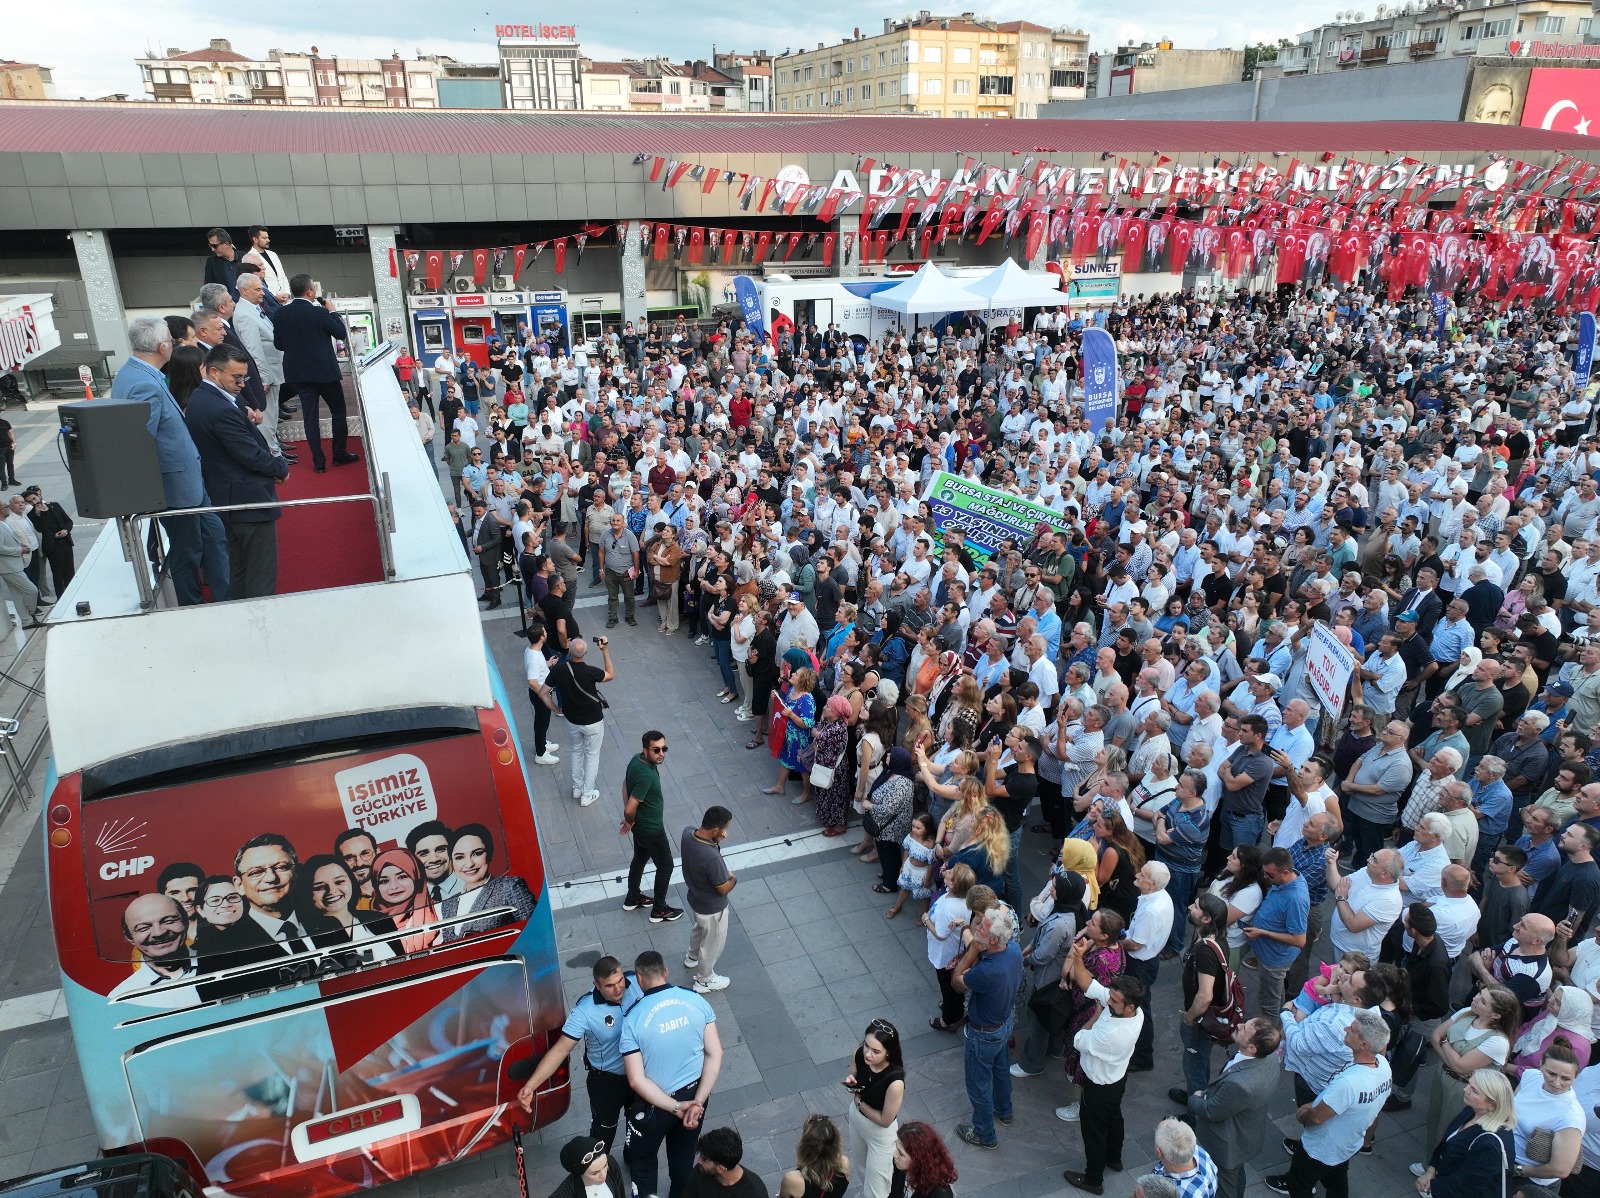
[1261, 52]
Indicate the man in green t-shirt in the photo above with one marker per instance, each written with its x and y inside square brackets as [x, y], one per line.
[643, 811]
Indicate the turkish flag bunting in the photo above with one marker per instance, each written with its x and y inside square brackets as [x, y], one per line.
[881, 244]
[659, 252]
[763, 245]
[1133, 231]
[561, 254]
[830, 205]
[697, 244]
[677, 173]
[710, 182]
[1291, 256]
[480, 265]
[905, 218]
[730, 238]
[655, 168]
[794, 244]
[1178, 244]
[766, 192]
[519, 254]
[435, 269]
[828, 242]
[1038, 223]
[413, 258]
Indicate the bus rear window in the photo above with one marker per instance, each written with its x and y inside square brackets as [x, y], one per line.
[354, 856]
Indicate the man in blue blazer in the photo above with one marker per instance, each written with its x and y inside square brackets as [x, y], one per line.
[305, 331]
[192, 540]
[238, 468]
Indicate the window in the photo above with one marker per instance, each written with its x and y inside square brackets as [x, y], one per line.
[324, 79]
[961, 54]
[850, 95]
[299, 78]
[1549, 24]
[1066, 79]
[178, 75]
[932, 87]
[391, 79]
[883, 58]
[960, 112]
[866, 62]
[883, 89]
[783, 104]
[822, 70]
[808, 74]
[1497, 28]
[421, 83]
[1381, 42]
[837, 95]
[933, 54]
[156, 76]
[911, 51]
[1583, 27]
[1402, 38]
[1469, 33]
[808, 99]
[1027, 49]
[783, 78]
[961, 87]
[674, 88]
[995, 85]
[849, 66]
[894, 87]
[894, 56]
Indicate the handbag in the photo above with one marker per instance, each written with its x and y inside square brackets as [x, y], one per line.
[578, 686]
[661, 590]
[1226, 1012]
[1052, 1006]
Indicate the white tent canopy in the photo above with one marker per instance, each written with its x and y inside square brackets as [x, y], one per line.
[1009, 286]
[929, 290]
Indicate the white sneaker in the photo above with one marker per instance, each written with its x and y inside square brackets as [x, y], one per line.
[589, 799]
[550, 746]
[744, 717]
[547, 759]
[690, 962]
[1067, 1114]
[1019, 1071]
[716, 982]
[1418, 1168]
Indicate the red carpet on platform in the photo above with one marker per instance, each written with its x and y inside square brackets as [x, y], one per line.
[330, 544]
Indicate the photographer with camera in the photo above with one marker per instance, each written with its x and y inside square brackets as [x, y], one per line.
[578, 684]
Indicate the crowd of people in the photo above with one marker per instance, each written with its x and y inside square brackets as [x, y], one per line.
[1407, 883]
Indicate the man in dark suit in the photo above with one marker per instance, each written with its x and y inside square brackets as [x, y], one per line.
[485, 546]
[222, 267]
[1230, 1113]
[1425, 601]
[238, 468]
[305, 331]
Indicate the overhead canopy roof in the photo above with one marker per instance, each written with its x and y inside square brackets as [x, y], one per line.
[929, 290]
[1009, 286]
[40, 126]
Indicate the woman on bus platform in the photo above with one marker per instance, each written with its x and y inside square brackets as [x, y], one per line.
[324, 894]
[471, 855]
[400, 894]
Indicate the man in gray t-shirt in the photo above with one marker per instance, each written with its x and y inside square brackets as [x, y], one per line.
[707, 884]
[619, 560]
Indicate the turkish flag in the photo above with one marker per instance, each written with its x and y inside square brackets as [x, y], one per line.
[1085, 226]
[881, 244]
[828, 242]
[697, 243]
[925, 248]
[561, 254]
[435, 269]
[480, 266]
[659, 253]
[519, 255]
[1178, 244]
[1291, 254]
[1133, 231]
[763, 244]
[730, 238]
[1238, 251]
[1565, 101]
[1038, 223]
[766, 192]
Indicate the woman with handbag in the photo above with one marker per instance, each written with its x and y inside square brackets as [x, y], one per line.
[889, 808]
[1550, 1122]
[882, 722]
[1473, 1158]
[830, 780]
[1043, 1030]
[1479, 1036]
[1205, 983]
[797, 713]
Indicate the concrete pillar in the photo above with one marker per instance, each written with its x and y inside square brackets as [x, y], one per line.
[1042, 254]
[634, 307]
[98, 270]
[849, 265]
[386, 292]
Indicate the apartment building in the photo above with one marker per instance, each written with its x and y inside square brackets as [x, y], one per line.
[658, 85]
[218, 74]
[1160, 67]
[25, 81]
[1412, 32]
[753, 72]
[960, 66]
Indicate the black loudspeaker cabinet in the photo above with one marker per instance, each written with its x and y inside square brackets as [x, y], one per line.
[112, 458]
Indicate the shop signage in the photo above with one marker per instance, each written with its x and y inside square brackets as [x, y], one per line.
[506, 299]
[427, 301]
[1551, 50]
[20, 341]
[469, 301]
[537, 33]
[549, 297]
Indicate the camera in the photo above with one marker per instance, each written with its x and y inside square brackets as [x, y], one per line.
[601, 641]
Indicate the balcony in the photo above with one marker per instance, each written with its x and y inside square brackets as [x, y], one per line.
[1424, 49]
[719, 102]
[639, 97]
[1375, 54]
[172, 91]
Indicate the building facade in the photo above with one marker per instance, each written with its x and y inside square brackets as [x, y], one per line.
[936, 66]
[1413, 32]
[657, 85]
[25, 81]
[219, 74]
[1158, 67]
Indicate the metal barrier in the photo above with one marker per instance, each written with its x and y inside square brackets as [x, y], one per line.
[14, 772]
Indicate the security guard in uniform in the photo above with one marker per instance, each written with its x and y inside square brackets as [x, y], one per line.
[672, 1056]
[596, 1019]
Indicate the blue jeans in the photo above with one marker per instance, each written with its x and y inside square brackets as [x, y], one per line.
[1196, 1054]
[724, 650]
[988, 1069]
[1181, 888]
[1241, 829]
[194, 541]
[1013, 894]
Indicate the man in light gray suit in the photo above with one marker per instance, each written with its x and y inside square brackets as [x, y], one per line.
[18, 587]
[1230, 1113]
[255, 334]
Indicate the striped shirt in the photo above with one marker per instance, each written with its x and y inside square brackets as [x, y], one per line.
[1315, 1048]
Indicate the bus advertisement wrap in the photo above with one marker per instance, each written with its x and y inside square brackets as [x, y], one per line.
[983, 515]
[1329, 665]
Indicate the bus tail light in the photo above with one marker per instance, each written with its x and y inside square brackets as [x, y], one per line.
[60, 814]
[60, 837]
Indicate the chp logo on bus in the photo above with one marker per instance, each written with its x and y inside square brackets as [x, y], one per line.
[388, 797]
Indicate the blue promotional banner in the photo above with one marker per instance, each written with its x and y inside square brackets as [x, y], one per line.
[984, 515]
[1099, 379]
[1585, 350]
[750, 304]
[1441, 309]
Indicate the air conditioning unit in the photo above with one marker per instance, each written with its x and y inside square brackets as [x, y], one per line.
[462, 286]
[502, 283]
[419, 286]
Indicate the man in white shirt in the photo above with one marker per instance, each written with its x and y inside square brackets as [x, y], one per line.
[1309, 795]
[1367, 902]
[1147, 935]
[1105, 1047]
[1425, 860]
[158, 928]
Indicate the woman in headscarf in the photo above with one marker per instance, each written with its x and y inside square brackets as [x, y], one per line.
[1079, 857]
[591, 1173]
[400, 893]
[1567, 1012]
[1041, 1033]
[830, 745]
[804, 575]
[889, 806]
[1465, 664]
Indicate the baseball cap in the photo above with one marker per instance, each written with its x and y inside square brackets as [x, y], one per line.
[1409, 615]
[1561, 689]
[794, 597]
[1271, 680]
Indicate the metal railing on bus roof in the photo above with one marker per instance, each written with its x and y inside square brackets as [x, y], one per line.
[133, 530]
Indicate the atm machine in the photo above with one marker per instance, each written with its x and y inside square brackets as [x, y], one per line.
[550, 316]
[430, 326]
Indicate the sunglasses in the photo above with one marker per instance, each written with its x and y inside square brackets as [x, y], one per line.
[595, 1153]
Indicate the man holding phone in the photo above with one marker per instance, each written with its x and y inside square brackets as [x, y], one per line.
[1572, 895]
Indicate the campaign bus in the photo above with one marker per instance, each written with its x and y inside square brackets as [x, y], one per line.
[299, 899]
